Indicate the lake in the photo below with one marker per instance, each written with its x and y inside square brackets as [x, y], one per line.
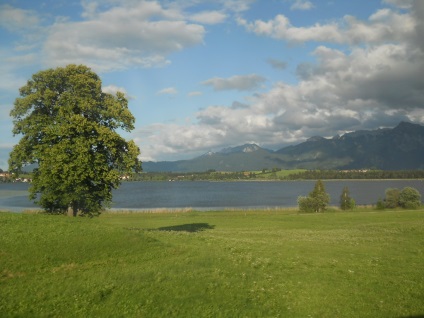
[205, 195]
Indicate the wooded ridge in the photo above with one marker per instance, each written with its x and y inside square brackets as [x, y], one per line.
[398, 148]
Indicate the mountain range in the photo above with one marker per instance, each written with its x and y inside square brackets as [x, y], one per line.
[398, 148]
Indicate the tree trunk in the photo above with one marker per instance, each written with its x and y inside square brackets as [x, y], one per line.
[72, 210]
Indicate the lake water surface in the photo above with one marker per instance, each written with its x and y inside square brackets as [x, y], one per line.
[219, 195]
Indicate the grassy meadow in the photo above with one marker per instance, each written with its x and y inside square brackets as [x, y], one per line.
[271, 263]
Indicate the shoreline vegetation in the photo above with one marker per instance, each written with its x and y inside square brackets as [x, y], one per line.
[274, 174]
[290, 210]
[281, 175]
[256, 263]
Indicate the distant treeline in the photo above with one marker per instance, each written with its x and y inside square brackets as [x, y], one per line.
[266, 174]
[356, 174]
[210, 175]
[278, 174]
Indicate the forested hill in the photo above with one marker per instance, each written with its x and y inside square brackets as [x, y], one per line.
[399, 148]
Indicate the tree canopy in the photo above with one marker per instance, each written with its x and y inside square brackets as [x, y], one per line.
[316, 201]
[407, 198]
[392, 198]
[346, 202]
[69, 129]
[410, 198]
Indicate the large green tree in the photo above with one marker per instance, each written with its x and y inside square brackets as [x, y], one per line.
[69, 128]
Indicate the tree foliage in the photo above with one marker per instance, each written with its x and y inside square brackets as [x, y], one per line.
[69, 129]
[356, 174]
[316, 201]
[407, 198]
[410, 198]
[392, 198]
[346, 202]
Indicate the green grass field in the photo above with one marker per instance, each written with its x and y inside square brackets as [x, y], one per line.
[281, 174]
[213, 264]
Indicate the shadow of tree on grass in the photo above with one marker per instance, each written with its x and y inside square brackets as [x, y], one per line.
[192, 227]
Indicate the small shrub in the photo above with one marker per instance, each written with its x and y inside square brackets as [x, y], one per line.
[409, 198]
[306, 204]
[352, 204]
[380, 204]
[316, 201]
[392, 198]
[346, 202]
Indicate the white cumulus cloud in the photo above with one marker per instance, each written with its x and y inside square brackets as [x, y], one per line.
[113, 89]
[140, 35]
[16, 19]
[168, 91]
[347, 88]
[383, 26]
[405, 4]
[302, 5]
[209, 17]
[194, 93]
[237, 82]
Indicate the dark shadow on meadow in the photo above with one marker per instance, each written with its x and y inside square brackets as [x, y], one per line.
[192, 227]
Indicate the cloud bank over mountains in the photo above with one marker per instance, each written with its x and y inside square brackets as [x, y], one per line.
[359, 72]
[373, 80]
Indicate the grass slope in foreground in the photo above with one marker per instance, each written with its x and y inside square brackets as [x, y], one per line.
[214, 264]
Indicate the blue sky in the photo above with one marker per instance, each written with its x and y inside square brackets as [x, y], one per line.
[204, 75]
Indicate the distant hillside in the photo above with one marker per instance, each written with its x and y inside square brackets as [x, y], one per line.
[246, 157]
[400, 148]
